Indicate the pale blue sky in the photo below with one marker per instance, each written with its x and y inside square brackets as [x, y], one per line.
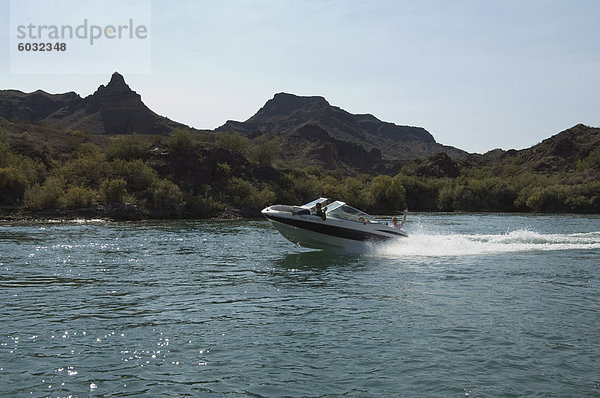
[478, 74]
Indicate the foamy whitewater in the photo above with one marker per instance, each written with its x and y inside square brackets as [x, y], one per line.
[440, 244]
[490, 234]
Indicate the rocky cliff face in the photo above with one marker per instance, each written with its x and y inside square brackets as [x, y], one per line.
[314, 143]
[439, 165]
[112, 109]
[285, 113]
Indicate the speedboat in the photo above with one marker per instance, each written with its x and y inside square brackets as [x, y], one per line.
[330, 225]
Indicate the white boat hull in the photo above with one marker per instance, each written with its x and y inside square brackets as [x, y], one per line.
[330, 234]
[316, 240]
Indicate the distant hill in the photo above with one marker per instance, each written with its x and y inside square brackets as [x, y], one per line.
[561, 153]
[574, 151]
[289, 116]
[112, 109]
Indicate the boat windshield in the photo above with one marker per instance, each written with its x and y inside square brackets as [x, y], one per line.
[312, 204]
[342, 211]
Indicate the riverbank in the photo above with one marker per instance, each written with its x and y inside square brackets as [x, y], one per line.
[117, 212]
[136, 177]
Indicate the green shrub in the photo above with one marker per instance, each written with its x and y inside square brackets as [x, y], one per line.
[243, 194]
[445, 201]
[584, 198]
[422, 193]
[305, 188]
[498, 195]
[181, 140]
[113, 191]
[138, 175]
[164, 194]
[12, 185]
[86, 170]
[78, 197]
[551, 198]
[127, 147]
[89, 150]
[466, 198]
[592, 160]
[526, 187]
[234, 142]
[592, 190]
[44, 197]
[33, 170]
[199, 206]
[468, 194]
[314, 170]
[263, 198]
[357, 192]
[223, 170]
[265, 151]
[239, 191]
[578, 204]
[388, 194]
[332, 187]
[7, 157]
[74, 138]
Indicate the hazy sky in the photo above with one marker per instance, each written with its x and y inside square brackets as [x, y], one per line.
[478, 74]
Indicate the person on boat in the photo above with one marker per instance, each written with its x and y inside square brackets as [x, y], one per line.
[395, 220]
[321, 212]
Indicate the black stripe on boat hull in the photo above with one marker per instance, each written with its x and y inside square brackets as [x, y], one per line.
[332, 230]
[400, 234]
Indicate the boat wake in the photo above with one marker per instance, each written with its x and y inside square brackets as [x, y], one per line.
[432, 244]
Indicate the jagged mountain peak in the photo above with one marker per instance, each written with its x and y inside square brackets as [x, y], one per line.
[116, 87]
[117, 79]
[113, 109]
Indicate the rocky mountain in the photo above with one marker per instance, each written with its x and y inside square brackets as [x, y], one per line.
[287, 115]
[112, 109]
[309, 130]
[571, 157]
[310, 144]
[557, 154]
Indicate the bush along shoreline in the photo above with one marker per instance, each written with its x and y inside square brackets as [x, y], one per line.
[55, 173]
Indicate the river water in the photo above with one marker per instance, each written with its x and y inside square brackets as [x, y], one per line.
[478, 305]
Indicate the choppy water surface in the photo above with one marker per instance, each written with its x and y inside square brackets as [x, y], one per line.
[468, 305]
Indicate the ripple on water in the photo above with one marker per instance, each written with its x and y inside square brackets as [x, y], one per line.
[231, 308]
